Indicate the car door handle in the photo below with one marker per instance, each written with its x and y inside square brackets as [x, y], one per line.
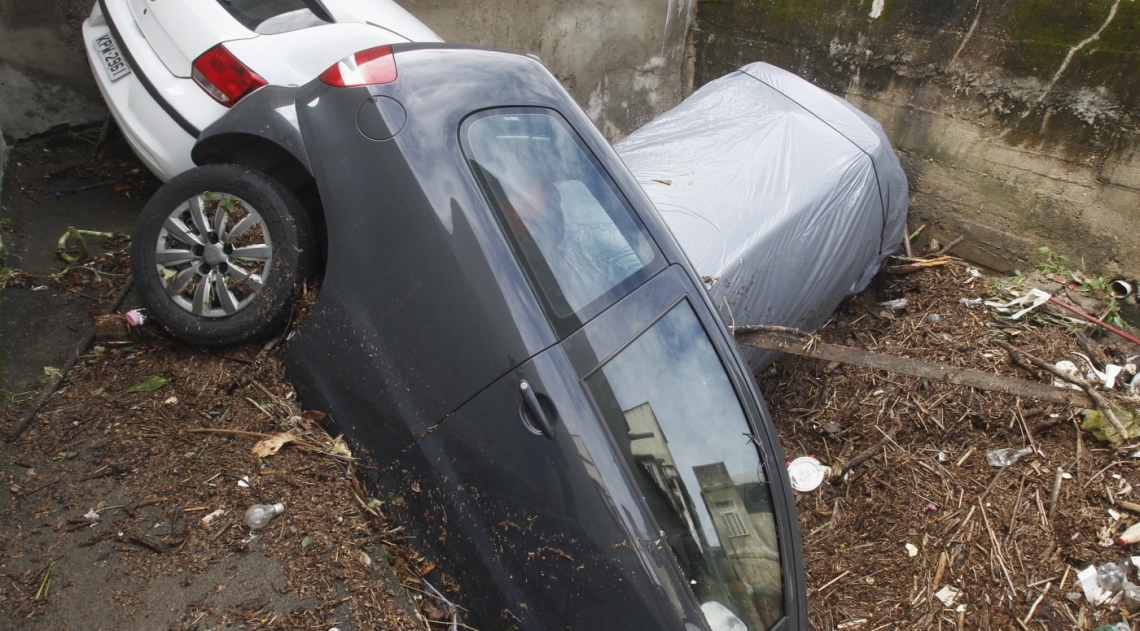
[535, 408]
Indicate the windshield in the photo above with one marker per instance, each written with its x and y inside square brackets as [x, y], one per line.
[676, 418]
[572, 230]
[267, 17]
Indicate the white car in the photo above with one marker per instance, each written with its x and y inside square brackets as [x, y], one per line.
[170, 68]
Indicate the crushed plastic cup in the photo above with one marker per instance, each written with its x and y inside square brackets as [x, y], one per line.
[134, 317]
[1006, 456]
[806, 474]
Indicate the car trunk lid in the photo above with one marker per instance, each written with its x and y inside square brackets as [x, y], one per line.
[179, 31]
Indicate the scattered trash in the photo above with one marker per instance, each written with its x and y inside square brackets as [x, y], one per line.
[934, 318]
[807, 474]
[911, 550]
[171, 401]
[970, 302]
[900, 303]
[948, 595]
[135, 317]
[259, 515]
[212, 516]
[1119, 626]
[243, 482]
[1110, 577]
[148, 385]
[1108, 377]
[851, 624]
[40, 288]
[974, 272]
[1069, 368]
[92, 515]
[1090, 585]
[1007, 456]
[1120, 288]
[1034, 296]
[1129, 536]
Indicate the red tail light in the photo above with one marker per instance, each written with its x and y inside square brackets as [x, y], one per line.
[368, 67]
[223, 77]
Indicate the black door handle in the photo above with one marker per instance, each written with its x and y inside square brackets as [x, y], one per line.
[535, 409]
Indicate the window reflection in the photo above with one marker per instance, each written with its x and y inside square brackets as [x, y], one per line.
[676, 418]
[575, 235]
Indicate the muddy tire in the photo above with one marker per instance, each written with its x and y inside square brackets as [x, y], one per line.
[219, 254]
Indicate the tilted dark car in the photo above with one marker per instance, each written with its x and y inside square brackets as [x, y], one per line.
[511, 333]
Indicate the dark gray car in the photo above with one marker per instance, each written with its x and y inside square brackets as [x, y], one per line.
[509, 331]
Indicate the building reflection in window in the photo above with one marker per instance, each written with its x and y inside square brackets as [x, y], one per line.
[673, 413]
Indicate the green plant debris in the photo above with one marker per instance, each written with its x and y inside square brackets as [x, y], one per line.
[1097, 424]
[148, 385]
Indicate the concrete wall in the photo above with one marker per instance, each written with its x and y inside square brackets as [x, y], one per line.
[44, 77]
[624, 62]
[1017, 118]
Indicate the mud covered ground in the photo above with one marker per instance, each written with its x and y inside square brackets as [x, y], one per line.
[1013, 553]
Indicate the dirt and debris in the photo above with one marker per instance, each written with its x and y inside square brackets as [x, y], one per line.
[915, 530]
[130, 487]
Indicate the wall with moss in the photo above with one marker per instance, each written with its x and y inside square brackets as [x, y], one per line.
[1016, 119]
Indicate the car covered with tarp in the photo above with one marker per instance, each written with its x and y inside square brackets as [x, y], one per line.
[785, 198]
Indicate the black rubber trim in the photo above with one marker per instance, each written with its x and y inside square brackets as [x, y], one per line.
[151, 90]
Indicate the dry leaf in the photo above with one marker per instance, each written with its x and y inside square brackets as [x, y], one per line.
[271, 445]
[340, 447]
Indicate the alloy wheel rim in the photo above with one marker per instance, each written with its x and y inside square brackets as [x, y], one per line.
[213, 254]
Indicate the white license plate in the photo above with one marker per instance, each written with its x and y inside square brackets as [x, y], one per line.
[106, 49]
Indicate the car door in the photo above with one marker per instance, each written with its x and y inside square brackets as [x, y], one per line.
[616, 480]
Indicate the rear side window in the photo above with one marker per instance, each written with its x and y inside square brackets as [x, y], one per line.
[267, 17]
[572, 230]
[675, 417]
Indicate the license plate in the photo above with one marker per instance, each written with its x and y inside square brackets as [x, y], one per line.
[107, 50]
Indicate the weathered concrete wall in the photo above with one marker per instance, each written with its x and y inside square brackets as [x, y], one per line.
[624, 62]
[44, 77]
[1017, 118]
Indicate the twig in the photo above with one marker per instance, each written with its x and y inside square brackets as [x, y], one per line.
[950, 246]
[1032, 609]
[864, 456]
[1100, 401]
[22, 422]
[1056, 491]
[832, 581]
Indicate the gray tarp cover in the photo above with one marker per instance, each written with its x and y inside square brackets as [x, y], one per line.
[785, 195]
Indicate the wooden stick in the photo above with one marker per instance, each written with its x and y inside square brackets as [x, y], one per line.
[1102, 324]
[1056, 491]
[773, 338]
[864, 456]
[1100, 401]
[1032, 609]
[953, 244]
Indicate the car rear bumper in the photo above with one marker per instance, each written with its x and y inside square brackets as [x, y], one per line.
[159, 114]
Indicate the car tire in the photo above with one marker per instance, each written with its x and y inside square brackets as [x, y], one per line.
[219, 254]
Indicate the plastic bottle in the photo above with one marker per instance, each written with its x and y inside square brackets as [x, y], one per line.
[1110, 577]
[1132, 596]
[259, 515]
[1130, 536]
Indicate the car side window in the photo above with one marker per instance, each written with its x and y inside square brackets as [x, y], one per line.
[676, 419]
[572, 230]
